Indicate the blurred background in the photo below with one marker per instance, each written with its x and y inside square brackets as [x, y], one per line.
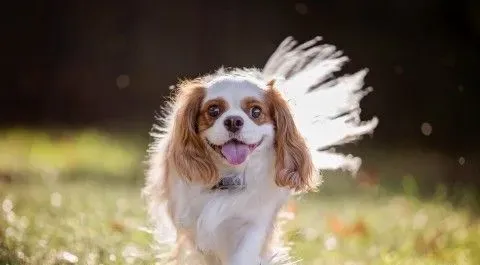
[83, 80]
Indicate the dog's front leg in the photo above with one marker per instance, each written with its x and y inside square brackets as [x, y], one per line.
[248, 251]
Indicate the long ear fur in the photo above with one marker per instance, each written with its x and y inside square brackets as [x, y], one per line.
[294, 167]
[186, 151]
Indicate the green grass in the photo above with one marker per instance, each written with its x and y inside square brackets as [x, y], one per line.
[37, 156]
[97, 217]
[384, 230]
[97, 224]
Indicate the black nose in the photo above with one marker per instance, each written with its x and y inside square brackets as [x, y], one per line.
[233, 123]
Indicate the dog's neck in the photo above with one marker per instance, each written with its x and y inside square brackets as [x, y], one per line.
[238, 178]
[234, 181]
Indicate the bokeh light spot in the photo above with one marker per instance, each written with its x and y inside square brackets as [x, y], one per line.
[301, 8]
[67, 257]
[426, 128]
[123, 81]
[331, 243]
[56, 199]
[7, 205]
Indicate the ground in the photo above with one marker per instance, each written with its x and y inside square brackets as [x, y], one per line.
[66, 208]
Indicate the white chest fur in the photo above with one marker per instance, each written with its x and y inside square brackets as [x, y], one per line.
[220, 221]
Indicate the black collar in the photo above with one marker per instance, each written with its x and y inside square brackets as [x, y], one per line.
[231, 182]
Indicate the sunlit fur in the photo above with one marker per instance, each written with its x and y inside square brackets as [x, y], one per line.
[306, 111]
[294, 167]
[224, 227]
[186, 151]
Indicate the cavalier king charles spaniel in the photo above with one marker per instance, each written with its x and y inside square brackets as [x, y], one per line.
[234, 145]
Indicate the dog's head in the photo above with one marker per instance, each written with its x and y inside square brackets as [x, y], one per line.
[222, 121]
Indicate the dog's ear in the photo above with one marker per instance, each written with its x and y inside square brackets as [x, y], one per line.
[293, 166]
[186, 151]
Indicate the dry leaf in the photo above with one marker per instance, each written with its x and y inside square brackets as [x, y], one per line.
[338, 227]
[117, 226]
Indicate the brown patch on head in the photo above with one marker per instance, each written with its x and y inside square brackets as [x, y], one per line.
[187, 151]
[293, 167]
[249, 103]
[205, 120]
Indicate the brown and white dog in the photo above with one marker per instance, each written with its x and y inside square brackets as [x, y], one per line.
[236, 144]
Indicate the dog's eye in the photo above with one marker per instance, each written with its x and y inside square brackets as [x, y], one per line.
[214, 111]
[255, 112]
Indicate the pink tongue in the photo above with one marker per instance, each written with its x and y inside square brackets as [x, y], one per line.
[235, 152]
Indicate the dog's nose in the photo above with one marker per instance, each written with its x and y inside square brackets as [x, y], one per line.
[233, 123]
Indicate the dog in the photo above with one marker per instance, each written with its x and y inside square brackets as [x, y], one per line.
[231, 148]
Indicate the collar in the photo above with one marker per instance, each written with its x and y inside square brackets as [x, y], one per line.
[231, 182]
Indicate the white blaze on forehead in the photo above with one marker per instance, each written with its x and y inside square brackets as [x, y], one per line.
[233, 90]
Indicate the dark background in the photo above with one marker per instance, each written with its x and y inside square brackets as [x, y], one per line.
[61, 60]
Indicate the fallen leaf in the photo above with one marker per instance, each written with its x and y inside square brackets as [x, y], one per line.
[338, 227]
[117, 226]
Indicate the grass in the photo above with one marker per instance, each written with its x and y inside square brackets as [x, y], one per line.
[73, 223]
[97, 217]
[386, 230]
[37, 156]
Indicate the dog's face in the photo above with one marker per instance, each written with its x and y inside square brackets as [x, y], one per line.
[235, 120]
[226, 120]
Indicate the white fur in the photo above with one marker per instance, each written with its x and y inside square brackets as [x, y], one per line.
[230, 228]
[233, 90]
[326, 108]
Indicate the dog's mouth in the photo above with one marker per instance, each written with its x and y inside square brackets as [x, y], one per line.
[234, 151]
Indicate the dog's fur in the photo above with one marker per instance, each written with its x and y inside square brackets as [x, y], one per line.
[229, 227]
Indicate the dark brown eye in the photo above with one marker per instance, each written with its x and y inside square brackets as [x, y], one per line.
[255, 112]
[214, 111]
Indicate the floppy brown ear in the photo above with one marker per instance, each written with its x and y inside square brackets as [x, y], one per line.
[186, 150]
[293, 166]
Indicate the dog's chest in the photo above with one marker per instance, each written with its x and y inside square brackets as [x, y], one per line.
[217, 219]
[199, 206]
